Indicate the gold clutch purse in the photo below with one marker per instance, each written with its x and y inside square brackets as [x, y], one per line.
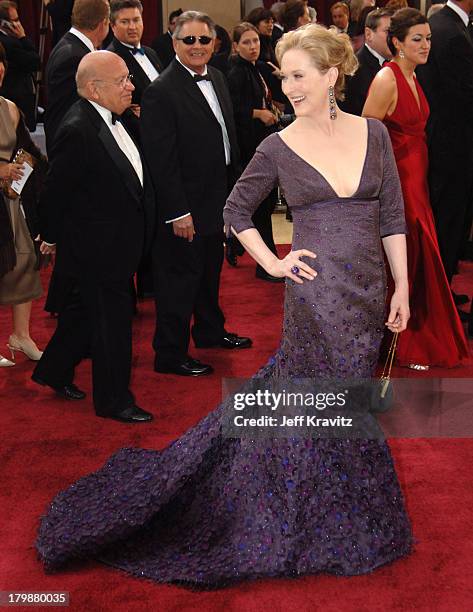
[20, 157]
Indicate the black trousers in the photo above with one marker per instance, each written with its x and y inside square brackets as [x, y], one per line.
[187, 282]
[95, 318]
[144, 277]
[451, 193]
[262, 220]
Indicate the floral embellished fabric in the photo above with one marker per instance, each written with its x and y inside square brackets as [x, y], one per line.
[210, 510]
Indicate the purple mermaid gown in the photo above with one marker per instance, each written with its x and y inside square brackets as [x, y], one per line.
[210, 510]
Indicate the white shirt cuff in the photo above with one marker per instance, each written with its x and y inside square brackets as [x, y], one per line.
[177, 218]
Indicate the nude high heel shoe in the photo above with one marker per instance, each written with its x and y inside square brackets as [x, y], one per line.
[5, 363]
[26, 346]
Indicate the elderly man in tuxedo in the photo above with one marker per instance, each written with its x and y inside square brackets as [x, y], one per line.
[371, 57]
[447, 80]
[98, 208]
[90, 25]
[189, 140]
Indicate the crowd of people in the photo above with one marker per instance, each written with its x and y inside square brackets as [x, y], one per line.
[237, 96]
[151, 152]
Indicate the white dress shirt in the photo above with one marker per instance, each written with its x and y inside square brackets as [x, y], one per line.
[122, 139]
[460, 12]
[208, 91]
[144, 62]
[87, 42]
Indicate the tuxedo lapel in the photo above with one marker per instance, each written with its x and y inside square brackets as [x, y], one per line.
[455, 17]
[369, 62]
[123, 164]
[221, 100]
[191, 87]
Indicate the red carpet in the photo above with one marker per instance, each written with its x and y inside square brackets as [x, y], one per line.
[48, 443]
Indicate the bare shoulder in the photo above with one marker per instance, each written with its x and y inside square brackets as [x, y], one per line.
[384, 81]
[355, 121]
[289, 132]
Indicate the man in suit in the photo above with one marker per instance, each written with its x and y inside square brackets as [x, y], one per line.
[98, 208]
[90, 24]
[189, 139]
[126, 19]
[163, 44]
[447, 80]
[23, 62]
[371, 57]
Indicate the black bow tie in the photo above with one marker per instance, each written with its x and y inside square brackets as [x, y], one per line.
[202, 77]
[139, 50]
[115, 118]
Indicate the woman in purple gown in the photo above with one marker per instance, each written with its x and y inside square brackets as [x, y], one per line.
[209, 509]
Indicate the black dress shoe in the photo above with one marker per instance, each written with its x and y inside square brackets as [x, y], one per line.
[228, 341]
[132, 414]
[460, 298]
[190, 367]
[68, 392]
[263, 275]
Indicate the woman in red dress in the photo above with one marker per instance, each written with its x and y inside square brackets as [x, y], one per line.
[434, 336]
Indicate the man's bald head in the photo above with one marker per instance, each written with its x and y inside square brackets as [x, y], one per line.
[102, 77]
[96, 66]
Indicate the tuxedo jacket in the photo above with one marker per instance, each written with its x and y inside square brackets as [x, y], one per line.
[61, 82]
[183, 144]
[140, 79]
[18, 84]
[357, 86]
[164, 48]
[447, 80]
[93, 205]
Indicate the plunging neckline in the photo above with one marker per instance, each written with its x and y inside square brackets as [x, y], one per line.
[314, 169]
[418, 103]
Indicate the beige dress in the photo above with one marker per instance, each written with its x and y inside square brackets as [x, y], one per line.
[22, 284]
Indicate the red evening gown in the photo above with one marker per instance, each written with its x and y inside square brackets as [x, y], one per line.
[434, 335]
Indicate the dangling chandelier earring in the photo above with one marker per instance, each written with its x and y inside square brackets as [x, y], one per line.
[331, 103]
[401, 54]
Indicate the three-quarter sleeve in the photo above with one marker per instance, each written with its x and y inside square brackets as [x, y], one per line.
[391, 209]
[256, 182]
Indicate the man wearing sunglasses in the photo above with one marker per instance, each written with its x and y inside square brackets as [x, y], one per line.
[189, 140]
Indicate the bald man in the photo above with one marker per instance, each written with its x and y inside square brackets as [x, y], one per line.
[97, 211]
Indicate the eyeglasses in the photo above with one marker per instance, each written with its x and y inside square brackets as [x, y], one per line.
[122, 83]
[191, 40]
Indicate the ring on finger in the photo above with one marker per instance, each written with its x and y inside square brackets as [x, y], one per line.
[295, 269]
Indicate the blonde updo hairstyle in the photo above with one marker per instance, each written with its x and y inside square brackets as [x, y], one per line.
[326, 48]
